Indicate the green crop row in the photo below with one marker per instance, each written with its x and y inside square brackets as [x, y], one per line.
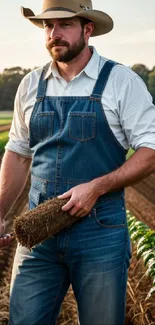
[5, 121]
[144, 239]
[3, 140]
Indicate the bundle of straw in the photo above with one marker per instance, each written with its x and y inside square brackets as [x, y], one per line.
[42, 222]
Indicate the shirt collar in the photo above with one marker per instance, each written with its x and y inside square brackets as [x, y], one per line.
[52, 70]
[91, 69]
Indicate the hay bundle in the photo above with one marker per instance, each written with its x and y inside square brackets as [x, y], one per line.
[42, 222]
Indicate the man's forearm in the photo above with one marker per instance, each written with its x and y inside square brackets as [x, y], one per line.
[137, 167]
[13, 176]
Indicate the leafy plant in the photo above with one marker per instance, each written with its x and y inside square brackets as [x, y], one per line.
[144, 238]
[3, 141]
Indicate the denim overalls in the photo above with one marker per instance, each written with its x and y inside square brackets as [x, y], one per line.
[72, 144]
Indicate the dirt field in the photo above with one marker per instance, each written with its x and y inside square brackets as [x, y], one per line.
[140, 200]
[5, 127]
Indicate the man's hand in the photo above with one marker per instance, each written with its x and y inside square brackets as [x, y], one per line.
[5, 239]
[82, 199]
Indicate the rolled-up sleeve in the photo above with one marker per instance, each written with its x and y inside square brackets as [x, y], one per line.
[137, 113]
[18, 135]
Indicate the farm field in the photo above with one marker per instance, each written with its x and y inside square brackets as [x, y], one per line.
[5, 120]
[5, 124]
[5, 117]
[138, 312]
[3, 140]
[140, 201]
[7, 114]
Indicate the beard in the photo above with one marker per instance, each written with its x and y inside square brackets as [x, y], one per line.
[67, 53]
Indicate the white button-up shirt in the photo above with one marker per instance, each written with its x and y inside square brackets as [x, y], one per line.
[126, 102]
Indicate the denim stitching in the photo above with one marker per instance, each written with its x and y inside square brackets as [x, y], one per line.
[107, 226]
[87, 115]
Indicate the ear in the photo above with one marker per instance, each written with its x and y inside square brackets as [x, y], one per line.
[88, 30]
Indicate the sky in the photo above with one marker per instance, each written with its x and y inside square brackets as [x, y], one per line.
[131, 41]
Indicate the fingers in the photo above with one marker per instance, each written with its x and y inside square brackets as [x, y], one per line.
[75, 209]
[5, 240]
[68, 205]
[75, 206]
[65, 195]
[81, 214]
[78, 211]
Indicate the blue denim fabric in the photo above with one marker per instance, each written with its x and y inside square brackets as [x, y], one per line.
[73, 144]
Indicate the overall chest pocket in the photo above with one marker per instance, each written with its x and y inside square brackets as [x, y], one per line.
[82, 126]
[45, 125]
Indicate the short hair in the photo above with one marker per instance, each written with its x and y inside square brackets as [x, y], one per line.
[84, 21]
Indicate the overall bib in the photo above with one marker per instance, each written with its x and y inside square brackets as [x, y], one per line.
[72, 144]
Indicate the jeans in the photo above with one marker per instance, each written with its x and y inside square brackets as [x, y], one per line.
[92, 255]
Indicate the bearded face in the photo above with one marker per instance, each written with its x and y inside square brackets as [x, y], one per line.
[63, 51]
[65, 38]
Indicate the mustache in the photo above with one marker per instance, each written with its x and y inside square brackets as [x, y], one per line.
[58, 42]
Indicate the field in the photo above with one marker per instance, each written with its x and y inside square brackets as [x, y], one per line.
[140, 201]
[6, 114]
[138, 312]
[3, 140]
[5, 123]
[5, 117]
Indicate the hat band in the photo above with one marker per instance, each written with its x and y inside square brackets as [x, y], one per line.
[59, 8]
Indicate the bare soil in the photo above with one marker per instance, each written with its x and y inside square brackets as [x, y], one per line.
[140, 200]
[5, 127]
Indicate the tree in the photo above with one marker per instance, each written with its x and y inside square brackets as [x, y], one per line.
[9, 82]
[151, 84]
[14, 70]
[142, 71]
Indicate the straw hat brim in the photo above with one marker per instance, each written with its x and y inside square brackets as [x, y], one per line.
[102, 21]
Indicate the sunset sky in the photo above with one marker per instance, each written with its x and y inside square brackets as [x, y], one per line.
[131, 41]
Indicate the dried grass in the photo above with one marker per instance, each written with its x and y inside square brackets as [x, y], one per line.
[139, 311]
[5, 276]
[68, 314]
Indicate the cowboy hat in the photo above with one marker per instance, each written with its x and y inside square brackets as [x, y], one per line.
[103, 23]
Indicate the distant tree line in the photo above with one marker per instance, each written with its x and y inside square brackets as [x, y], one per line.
[9, 82]
[148, 77]
[10, 79]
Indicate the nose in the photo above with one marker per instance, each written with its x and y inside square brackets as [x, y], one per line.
[55, 33]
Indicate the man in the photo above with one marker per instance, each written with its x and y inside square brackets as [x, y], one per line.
[75, 120]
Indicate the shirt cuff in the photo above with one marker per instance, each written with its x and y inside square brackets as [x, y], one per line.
[146, 145]
[19, 147]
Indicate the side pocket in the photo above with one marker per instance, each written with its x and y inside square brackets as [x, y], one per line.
[110, 214]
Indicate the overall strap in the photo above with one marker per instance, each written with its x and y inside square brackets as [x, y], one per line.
[42, 83]
[102, 80]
